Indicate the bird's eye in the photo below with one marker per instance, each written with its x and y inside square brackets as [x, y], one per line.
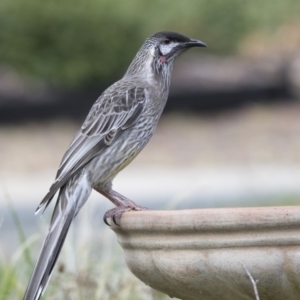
[166, 41]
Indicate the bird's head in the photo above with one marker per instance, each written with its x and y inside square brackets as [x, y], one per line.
[166, 46]
[160, 51]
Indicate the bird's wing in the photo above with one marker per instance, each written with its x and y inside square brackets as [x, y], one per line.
[114, 111]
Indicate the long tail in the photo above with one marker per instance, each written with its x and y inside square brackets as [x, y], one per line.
[71, 198]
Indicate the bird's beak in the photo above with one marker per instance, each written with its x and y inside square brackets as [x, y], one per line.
[195, 43]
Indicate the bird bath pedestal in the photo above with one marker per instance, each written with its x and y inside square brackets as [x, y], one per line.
[215, 254]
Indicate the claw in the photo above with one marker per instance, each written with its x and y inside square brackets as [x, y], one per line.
[116, 213]
[115, 220]
[105, 220]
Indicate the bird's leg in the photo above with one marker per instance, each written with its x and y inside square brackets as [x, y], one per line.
[122, 203]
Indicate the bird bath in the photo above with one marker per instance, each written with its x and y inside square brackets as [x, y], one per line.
[212, 254]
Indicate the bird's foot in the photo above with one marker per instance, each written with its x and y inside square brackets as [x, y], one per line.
[116, 213]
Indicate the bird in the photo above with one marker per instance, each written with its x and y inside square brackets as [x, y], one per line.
[117, 128]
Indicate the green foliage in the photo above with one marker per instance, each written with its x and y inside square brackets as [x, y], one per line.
[75, 42]
[66, 42]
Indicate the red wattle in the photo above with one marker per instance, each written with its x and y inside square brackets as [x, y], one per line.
[163, 59]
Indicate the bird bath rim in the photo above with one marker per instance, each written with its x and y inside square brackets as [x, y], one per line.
[206, 249]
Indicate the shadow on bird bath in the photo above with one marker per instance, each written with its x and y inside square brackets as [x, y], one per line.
[213, 254]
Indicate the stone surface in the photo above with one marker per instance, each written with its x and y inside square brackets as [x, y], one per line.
[198, 254]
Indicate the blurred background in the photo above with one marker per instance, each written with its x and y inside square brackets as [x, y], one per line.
[230, 134]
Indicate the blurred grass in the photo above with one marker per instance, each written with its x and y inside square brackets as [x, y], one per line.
[74, 42]
[100, 278]
[86, 269]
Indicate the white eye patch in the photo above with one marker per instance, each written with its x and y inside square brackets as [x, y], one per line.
[165, 49]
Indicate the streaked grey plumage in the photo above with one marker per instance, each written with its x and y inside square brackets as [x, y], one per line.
[119, 125]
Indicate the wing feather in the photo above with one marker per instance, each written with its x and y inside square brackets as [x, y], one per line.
[108, 118]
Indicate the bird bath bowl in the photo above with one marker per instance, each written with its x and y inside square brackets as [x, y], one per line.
[212, 254]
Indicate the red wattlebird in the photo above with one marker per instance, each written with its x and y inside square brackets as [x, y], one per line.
[117, 128]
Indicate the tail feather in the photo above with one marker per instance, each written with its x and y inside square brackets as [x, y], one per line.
[69, 202]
